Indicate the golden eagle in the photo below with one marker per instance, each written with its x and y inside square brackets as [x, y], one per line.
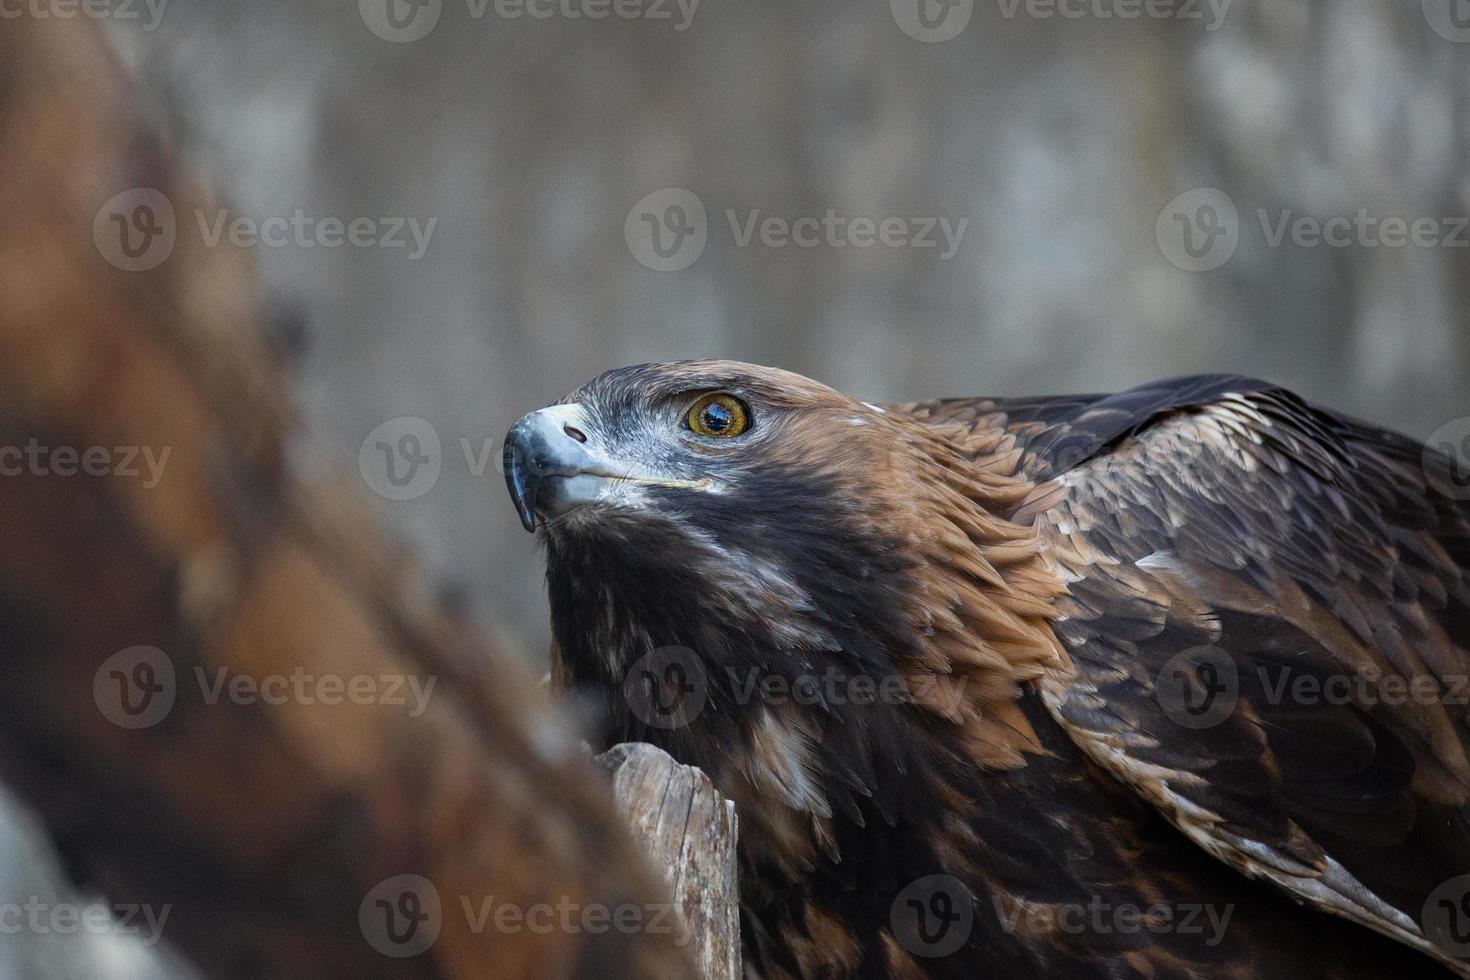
[1166, 683]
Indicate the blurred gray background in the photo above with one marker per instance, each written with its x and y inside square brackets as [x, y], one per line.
[1063, 142]
[1061, 139]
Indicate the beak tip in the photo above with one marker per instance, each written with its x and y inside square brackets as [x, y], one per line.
[520, 481]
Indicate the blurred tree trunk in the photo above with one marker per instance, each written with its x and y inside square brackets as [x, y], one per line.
[154, 542]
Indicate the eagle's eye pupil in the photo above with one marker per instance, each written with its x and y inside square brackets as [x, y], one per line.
[718, 416]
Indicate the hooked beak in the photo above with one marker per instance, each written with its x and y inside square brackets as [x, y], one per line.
[544, 445]
[551, 467]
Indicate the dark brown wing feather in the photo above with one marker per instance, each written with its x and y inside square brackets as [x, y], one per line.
[1053, 433]
[1235, 553]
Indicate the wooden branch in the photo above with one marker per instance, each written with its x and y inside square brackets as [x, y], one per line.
[274, 830]
[690, 831]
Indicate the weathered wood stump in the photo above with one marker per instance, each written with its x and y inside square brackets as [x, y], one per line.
[690, 831]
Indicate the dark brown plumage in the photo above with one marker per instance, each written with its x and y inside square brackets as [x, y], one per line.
[1160, 684]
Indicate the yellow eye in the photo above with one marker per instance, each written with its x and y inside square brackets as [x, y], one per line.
[718, 416]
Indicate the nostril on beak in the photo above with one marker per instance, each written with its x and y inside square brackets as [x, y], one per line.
[574, 433]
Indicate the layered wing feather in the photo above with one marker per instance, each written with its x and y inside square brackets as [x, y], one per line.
[1268, 625]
